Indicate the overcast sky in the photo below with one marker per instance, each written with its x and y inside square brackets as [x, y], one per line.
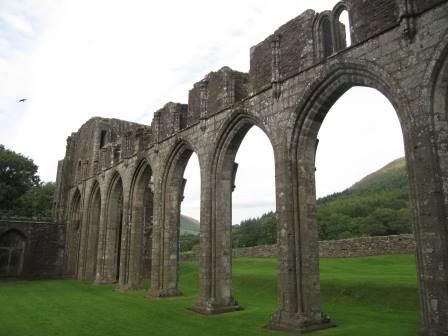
[125, 59]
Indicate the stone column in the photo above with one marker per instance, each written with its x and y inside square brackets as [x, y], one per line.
[100, 278]
[156, 261]
[118, 221]
[165, 255]
[297, 239]
[140, 214]
[83, 236]
[93, 222]
[216, 244]
[426, 175]
[123, 248]
[131, 277]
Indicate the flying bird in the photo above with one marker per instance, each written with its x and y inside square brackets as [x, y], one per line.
[22, 100]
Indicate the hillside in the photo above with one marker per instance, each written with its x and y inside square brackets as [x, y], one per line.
[392, 175]
[376, 205]
[188, 225]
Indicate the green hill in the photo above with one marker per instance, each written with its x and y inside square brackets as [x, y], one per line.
[376, 205]
[188, 225]
[393, 175]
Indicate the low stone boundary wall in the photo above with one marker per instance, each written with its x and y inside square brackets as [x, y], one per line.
[354, 247]
[367, 246]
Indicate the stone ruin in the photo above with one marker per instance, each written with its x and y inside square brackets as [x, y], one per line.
[120, 185]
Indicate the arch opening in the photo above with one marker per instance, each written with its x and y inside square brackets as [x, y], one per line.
[216, 267]
[165, 268]
[310, 148]
[253, 197]
[137, 261]
[114, 230]
[326, 36]
[190, 206]
[343, 29]
[111, 233]
[12, 252]
[92, 233]
[74, 236]
[346, 161]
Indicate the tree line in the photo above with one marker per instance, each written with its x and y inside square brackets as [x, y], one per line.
[22, 194]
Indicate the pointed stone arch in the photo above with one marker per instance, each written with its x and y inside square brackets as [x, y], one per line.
[73, 235]
[324, 41]
[340, 30]
[89, 234]
[334, 80]
[138, 240]
[166, 229]
[338, 78]
[111, 232]
[216, 244]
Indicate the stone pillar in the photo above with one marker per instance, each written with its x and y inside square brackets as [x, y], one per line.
[426, 175]
[122, 250]
[140, 223]
[99, 277]
[131, 254]
[297, 239]
[165, 252]
[156, 261]
[205, 254]
[216, 245]
[93, 223]
[83, 236]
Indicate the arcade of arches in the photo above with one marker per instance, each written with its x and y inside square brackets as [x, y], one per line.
[120, 185]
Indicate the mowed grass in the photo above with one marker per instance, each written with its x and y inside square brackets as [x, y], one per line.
[363, 296]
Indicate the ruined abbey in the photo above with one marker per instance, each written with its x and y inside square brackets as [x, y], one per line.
[120, 184]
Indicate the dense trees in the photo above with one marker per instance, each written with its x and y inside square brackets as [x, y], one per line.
[21, 192]
[17, 175]
[255, 231]
[188, 241]
[37, 202]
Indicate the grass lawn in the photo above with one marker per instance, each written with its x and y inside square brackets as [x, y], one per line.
[364, 296]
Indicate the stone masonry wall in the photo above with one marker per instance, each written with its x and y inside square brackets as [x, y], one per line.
[355, 247]
[43, 256]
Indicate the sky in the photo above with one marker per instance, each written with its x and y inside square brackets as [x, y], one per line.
[125, 59]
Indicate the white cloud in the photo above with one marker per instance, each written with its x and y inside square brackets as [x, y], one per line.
[16, 22]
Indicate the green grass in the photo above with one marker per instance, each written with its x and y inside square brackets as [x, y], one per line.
[363, 296]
